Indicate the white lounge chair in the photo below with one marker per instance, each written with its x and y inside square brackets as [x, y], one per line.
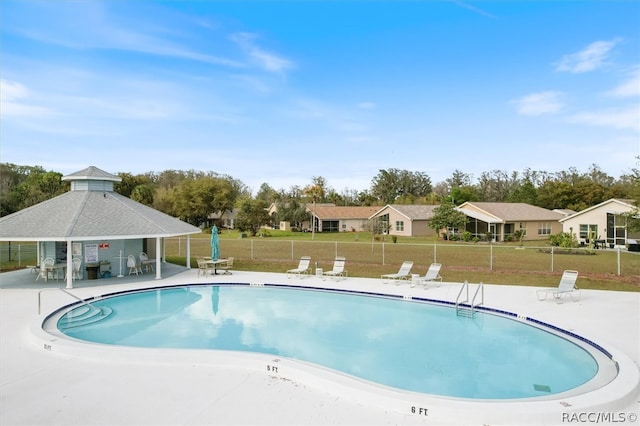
[338, 269]
[432, 276]
[304, 267]
[566, 286]
[402, 274]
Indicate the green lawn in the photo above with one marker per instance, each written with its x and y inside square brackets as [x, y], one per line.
[530, 263]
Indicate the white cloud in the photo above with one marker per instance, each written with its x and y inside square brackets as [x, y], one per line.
[539, 103]
[629, 88]
[267, 61]
[13, 96]
[622, 118]
[590, 58]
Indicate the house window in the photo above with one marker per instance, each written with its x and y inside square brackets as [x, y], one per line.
[344, 226]
[588, 231]
[544, 228]
[399, 225]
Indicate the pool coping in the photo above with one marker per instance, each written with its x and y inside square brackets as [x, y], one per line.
[616, 395]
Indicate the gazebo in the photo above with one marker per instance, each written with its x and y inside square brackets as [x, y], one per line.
[93, 223]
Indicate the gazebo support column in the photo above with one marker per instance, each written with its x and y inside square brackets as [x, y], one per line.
[69, 264]
[188, 265]
[158, 256]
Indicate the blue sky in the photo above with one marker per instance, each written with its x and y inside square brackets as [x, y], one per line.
[280, 92]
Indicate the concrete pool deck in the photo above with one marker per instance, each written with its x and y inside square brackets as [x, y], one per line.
[40, 386]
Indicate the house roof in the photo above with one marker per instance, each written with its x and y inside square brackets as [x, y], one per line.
[342, 212]
[626, 205]
[410, 211]
[507, 212]
[82, 215]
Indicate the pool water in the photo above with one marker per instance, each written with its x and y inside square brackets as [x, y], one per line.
[409, 345]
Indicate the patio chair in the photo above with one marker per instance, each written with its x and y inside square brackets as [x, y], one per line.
[145, 262]
[338, 269]
[432, 276]
[566, 286]
[304, 267]
[75, 268]
[203, 267]
[45, 268]
[226, 267]
[133, 265]
[402, 274]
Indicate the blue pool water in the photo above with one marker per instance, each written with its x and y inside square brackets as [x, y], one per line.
[409, 345]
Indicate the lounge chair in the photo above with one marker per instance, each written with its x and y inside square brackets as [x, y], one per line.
[338, 269]
[402, 274]
[304, 267]
[567, 286]
[432, 276]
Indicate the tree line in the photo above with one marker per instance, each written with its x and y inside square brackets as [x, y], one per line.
[193, 195]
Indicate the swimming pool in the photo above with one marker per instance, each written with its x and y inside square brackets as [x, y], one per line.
[409, 345]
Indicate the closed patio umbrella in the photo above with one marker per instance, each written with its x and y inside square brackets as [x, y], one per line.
[215, 250]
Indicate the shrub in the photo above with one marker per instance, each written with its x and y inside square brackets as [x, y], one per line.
[563, 239]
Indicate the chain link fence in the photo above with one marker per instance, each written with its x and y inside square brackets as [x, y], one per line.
[491, 257]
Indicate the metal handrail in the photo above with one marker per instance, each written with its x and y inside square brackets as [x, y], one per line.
[472, 304]
[473, 301]
[465, 285]
[83, 302]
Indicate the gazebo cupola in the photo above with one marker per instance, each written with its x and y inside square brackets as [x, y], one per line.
[92, 179]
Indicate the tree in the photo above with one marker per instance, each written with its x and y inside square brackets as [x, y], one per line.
[252, 215]
[461, 188]
[447, 217]
[633, 217]
[267, 193]
[195, 200]
[40, 186]
[291, 211]
[143, 194]
[392, 184]
[316, 191]
[128, 183]
[498, 185]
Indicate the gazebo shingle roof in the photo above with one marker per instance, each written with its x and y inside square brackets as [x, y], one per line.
[90, 215]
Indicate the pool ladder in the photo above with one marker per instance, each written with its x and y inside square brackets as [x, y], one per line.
[465, 307]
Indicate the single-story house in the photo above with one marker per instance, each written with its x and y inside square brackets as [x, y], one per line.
[226, 219]
[272, 210]
[406, 220]
[341, 218]
[605, 222]
[93, 223]
[502, 221]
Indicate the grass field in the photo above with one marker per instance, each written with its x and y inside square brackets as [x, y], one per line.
[531, 263]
